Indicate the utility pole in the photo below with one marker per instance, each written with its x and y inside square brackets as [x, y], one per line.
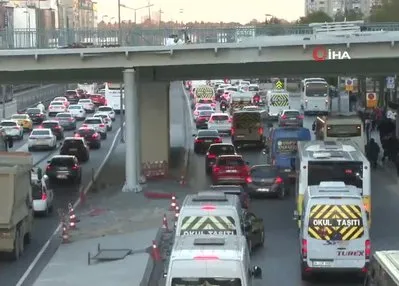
[122, 113]
[119, 24]
[149, 10]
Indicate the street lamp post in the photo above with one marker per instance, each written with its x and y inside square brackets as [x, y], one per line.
[119, 24]
[136, 9]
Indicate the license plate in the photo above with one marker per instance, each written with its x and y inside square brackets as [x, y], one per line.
[231, 171]
[62, 176]
[208, 141]
[292, 119]
[263, 190]
[73, 149]
[322, 263]
[41, 142]
[287, 170]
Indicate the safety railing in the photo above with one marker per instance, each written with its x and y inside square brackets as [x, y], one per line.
[136, 36]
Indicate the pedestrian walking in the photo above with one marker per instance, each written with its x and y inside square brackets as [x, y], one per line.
[372, 152]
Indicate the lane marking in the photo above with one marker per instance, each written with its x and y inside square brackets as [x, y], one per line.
[85, 190]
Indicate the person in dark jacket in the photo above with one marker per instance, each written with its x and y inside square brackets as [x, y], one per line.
[372, 152]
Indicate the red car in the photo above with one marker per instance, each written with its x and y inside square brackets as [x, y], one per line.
[98, 99]
[230, 169]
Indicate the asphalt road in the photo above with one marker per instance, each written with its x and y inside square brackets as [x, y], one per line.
[44, 227]
[279, 259]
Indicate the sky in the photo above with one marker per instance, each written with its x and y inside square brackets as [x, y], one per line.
[205, 10]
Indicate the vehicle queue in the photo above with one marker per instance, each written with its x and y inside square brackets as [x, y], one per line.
[46, 129]
[331, 182]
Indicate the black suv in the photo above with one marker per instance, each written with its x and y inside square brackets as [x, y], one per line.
[64, 167]
[216, 150]
[92, 137]
[55, 127]
[36, 115]
[76, 147]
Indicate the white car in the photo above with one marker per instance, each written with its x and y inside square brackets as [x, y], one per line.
[41, 138]
[107, 109]
[56, 107]
[62, 99]
[77, 111]
[107, 120]
[42, 195]
[201, 107]
[220, 122]
[88, 105]
[12, 129]
[98, 124]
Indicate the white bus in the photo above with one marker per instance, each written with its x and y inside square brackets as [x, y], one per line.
[314, 96]
[113, 96]
[330, 161]
[384, 269]
[341, 128]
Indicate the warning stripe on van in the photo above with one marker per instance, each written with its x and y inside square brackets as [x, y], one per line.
[204, 91]
[279, 99]
[208, 225]
[335, 222]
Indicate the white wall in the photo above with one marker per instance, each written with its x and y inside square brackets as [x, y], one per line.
[25, 27]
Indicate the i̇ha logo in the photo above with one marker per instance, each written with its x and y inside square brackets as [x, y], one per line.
[321, 54]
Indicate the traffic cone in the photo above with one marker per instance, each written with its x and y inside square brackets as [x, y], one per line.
[165, 223]
[173, 203]
[156, 255]
[177, 212]
[73, 220]
[182, 180]
[65, 234]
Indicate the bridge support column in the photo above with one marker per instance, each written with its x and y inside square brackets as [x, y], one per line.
[132, 183]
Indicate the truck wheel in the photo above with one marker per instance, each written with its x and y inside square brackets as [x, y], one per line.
[15, 254]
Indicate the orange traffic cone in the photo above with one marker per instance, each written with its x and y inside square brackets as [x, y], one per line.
[177, 212]
[65, 234]
[156, 255]
[73, 220]
[165, 223]
[173, 203]
[182, 180]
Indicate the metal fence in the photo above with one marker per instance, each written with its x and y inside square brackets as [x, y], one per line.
[30, 38]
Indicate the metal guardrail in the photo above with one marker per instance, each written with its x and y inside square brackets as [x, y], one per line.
[40, 39]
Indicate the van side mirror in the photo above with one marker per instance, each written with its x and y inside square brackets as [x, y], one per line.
[265, 151]
[10, 142]
[296, 216]
[257, 272]
[194, 135]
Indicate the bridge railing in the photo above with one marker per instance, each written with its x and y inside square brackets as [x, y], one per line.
[42, 39]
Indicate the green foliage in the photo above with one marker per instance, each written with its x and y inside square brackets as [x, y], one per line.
[349, 15]
[387, 12]
[315, 17]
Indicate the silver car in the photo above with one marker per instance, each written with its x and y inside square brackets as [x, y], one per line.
[66, 120]
[290, 117]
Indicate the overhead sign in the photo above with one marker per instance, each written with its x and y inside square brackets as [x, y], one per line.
[390, 82]
[371, 100]
[321, 54]
[349, 85]
[279, 85]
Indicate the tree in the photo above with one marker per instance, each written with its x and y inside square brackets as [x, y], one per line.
[315, 17]
[349, 15]
[386, 12]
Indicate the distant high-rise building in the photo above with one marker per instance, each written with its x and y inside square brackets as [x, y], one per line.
[332, 7]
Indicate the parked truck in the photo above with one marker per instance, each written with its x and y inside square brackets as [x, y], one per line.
[16, 214]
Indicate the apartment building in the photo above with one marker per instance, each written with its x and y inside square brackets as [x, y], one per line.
[332, 7]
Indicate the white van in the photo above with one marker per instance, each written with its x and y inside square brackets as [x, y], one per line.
[211, 261]
[210, 213]
[334, 234]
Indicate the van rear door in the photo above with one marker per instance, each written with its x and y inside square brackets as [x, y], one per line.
[247, 126]
[335, 233]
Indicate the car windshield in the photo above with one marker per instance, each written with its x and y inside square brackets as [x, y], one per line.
[204, 100]
[93, 121]
[33, 110]
[104, 108]
[40, 133]
[231, 162]
[206, 282]
[86, 131]
[204, 107]
[205, 113]
[291, 113]
[22, 116]
[264, 172]
[222, 149]
[101, 115]
[206, 133]
[8, 123]
[220, 117]
[64, 115]
[50, 124]
[72, 143]
[36, 191]
[62, 162]
[70, 92]
[75, 107]
[85, 101]
[59, 99]
[253, 88]
[57, 103]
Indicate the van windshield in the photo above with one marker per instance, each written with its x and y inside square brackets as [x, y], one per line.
[335, 222]
[206, 282]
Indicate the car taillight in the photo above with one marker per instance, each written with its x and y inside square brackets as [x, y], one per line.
[233, 131]
[218, 140]
[48, 168]
[77, 135]
[216, 169]
[50, 107]
[211, 156]
[70, 119]
[84, 125]
[300, 117]
[95, 135]
[248, 180]
[57, 127]
[75, 167]
[211, 120]
[304, 248]
[229, 120]
[260, 131]
[44, 196]
[102, 125]
[196, 112]
[367, 248]
[278, 181]
[283, 116]
[199, 140]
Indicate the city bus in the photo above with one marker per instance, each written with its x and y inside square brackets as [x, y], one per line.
[329, 161]
[112, 93]
[314, 96]
[341, 128]
[383, 269]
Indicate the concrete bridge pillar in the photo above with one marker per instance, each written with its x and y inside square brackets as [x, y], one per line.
[132, 183]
